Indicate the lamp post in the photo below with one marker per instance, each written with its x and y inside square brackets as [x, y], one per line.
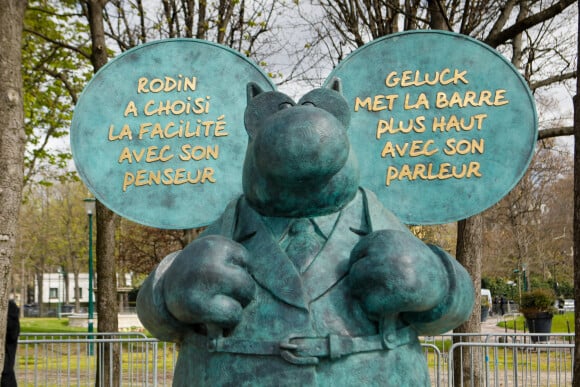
[90, 209]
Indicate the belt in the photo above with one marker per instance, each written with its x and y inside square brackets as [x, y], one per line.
[300, 350]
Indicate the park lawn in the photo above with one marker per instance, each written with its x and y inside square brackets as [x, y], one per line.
[47, 325]
[561, 323]
[52, 325]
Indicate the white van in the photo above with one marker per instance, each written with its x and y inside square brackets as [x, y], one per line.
[487, 294]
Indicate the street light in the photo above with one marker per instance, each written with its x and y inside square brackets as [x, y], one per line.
[90, 209]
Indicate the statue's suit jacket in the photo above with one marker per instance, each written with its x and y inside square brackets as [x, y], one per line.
[316, 303]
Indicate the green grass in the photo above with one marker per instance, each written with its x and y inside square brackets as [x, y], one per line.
[561, 323]
[53, 325]
[47, 325]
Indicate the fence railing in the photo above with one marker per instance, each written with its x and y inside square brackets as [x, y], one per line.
[508, 359]
[501, 359]
[83, 359]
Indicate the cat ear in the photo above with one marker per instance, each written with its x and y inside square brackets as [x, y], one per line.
[329, 98]
[262, 104]
[335, 84]
[253, 90]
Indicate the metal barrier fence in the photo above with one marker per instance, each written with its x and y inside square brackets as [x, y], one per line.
[503, 359]
[57, 360]
[509, 359]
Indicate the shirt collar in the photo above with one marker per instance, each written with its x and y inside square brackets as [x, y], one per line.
[323, 224]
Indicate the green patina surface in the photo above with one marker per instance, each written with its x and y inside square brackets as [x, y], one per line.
[249, 309]
[158, 134]
[443, 125]
[306, 277]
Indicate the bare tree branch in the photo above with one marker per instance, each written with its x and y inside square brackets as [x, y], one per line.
[503, 17]
[496, 39]
[552, 80]
[556, 132]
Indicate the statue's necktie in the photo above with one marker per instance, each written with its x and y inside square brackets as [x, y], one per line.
[303, 243]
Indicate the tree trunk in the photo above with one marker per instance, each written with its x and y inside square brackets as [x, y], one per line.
[12, 140]
[38, 273]
[66, 298]
[576, 235]
[77, 292]
[468, 250]
[466, 369]
[437, 15]
[107, 306]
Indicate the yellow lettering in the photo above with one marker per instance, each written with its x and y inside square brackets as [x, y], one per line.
[143, 129]
[125, 155]
[207, 175]
[406, 79]
[463, 147]
[153, 156]
[420, 149]
[459, 76]
[392, 173]
[441, 100]
[405, 172]
[419, 172]
[168, 134]
[179, 177]
[128, 180]
[190, 84]
[142, 82]
[388, 149]
[485, 97]
[499, 99]
[157, 131]
[431, 171]
[444, 82]
[148, 105]
[220, 127]
[480, 118]
[378, 103]
[131, 108]
[141, 178]
[470, 98]
[125, 132]
[358, 103]
[392, 80]
[473, 169]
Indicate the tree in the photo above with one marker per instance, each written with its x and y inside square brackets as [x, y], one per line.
[11, 144]
[576, 378]
[141, 248]
[534, 221]
[52, 237]
[55, 68]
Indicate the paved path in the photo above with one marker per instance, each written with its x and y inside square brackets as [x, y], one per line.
[490, 325]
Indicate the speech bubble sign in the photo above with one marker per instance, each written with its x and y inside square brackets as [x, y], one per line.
[443, 125]
[158, 134]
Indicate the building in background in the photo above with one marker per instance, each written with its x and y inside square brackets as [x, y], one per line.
[59, 299]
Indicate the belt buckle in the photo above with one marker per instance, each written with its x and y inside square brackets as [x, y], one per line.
[287, 351]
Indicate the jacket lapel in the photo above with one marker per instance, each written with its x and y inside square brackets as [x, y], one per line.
[269, 265]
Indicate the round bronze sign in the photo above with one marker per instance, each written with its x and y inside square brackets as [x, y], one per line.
[158, 134]
[443, 126]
